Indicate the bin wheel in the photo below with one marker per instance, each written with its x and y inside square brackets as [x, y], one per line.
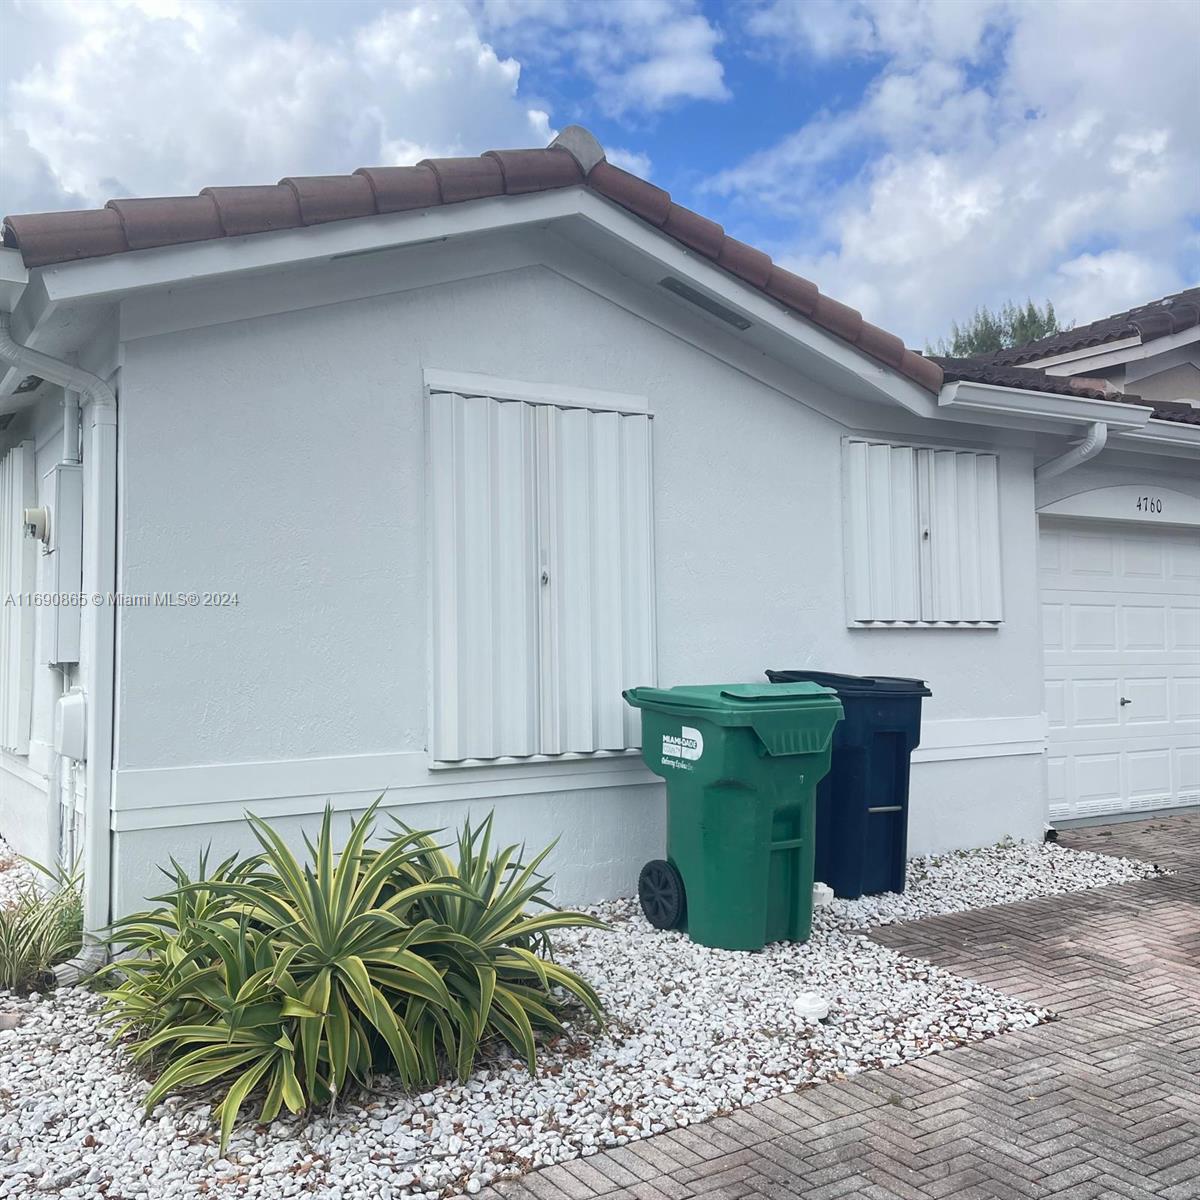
[660, 889]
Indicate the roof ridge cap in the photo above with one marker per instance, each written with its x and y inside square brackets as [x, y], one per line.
[581, 145]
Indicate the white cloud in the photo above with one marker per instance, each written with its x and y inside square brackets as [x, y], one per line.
[1048, 150]
[1106, 283]
[154, 97]
[640, 55]
[632, 161]
[907, 30]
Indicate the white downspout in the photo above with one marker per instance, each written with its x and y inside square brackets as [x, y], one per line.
[62, 799]
[99, 403]
[1097, 437]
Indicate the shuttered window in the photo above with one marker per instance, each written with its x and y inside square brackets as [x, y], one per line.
[18, 565]
[542, 576]
[922, 535]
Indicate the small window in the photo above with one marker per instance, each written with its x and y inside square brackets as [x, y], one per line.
[542, 576]
[922, 535]
[18, 565]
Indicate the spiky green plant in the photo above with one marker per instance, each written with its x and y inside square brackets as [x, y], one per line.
[241, 1030]
[39, 927]
[306, 977]
[493, 952]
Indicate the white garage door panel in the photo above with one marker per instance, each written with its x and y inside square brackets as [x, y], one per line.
[1121, 622]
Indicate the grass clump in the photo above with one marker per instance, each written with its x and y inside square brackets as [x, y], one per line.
[40, 926]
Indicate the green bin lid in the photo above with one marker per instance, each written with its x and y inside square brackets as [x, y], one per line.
[730, 697]
[793, 718]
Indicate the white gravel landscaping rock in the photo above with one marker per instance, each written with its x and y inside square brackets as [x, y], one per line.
[1002, 874]
[692, 1032]
[15, 874]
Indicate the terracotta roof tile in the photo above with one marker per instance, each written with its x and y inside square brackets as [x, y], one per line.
[880, 344]
[48, 238]
[922, 370]
[466, 178]
[745, 262]
[398, 189]
[699, 233]
[791, 290]
[255, 208]
[1159, 318]
[639, 197]
[325, 198]
[838, 318]
[167, 220]
[536, 170]
[56, 237]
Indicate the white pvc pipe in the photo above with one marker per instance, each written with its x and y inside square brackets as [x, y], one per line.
[99, 575]
[1097, 437]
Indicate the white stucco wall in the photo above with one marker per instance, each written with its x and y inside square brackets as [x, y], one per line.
[282, 458]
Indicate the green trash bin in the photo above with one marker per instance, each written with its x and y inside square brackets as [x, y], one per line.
[742, 763]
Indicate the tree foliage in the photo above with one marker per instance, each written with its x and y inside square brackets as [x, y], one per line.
[1008, 326]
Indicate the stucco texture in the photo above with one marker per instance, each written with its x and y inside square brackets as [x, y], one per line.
[283, 458]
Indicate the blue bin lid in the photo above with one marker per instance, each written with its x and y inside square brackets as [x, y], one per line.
[854, 685]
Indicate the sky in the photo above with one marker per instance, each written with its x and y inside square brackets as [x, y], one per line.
[915, 158]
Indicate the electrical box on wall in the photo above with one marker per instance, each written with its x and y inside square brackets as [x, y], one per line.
[63, 563]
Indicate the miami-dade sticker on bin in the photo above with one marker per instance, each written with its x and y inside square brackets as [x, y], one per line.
[680, 752]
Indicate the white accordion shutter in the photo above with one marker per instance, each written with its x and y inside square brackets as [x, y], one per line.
[598, 604]
[484, 571]
[542, 577]
[18, 569]
[922, 535]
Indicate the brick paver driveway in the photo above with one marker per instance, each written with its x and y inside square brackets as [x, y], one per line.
[1102, 1103]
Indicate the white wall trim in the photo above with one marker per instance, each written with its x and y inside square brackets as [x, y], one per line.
[157, 797]
[981, 737]
[163, 797]
[19, 768]
[465, 383]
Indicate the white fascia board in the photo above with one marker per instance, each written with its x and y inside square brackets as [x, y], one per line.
[128, 274]
[673, 258]
[1113, 354]
[1083, 352]
[1163, 437]
[991, 400]
[25, 327]
[13, 278]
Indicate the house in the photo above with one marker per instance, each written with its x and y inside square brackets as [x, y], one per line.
[393, 480]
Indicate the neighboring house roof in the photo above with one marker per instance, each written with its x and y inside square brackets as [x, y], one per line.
[1030, 379]
[574, 159]
[1159, 318]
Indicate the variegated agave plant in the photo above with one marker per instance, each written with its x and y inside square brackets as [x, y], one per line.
[308, 977]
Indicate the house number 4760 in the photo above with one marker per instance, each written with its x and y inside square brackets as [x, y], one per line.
[1149, 504]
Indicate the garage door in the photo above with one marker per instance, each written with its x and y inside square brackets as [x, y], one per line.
[1121, 628]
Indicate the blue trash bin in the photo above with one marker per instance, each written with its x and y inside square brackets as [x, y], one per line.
[862, 804]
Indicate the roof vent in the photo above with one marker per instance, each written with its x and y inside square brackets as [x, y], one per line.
[700, 300]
